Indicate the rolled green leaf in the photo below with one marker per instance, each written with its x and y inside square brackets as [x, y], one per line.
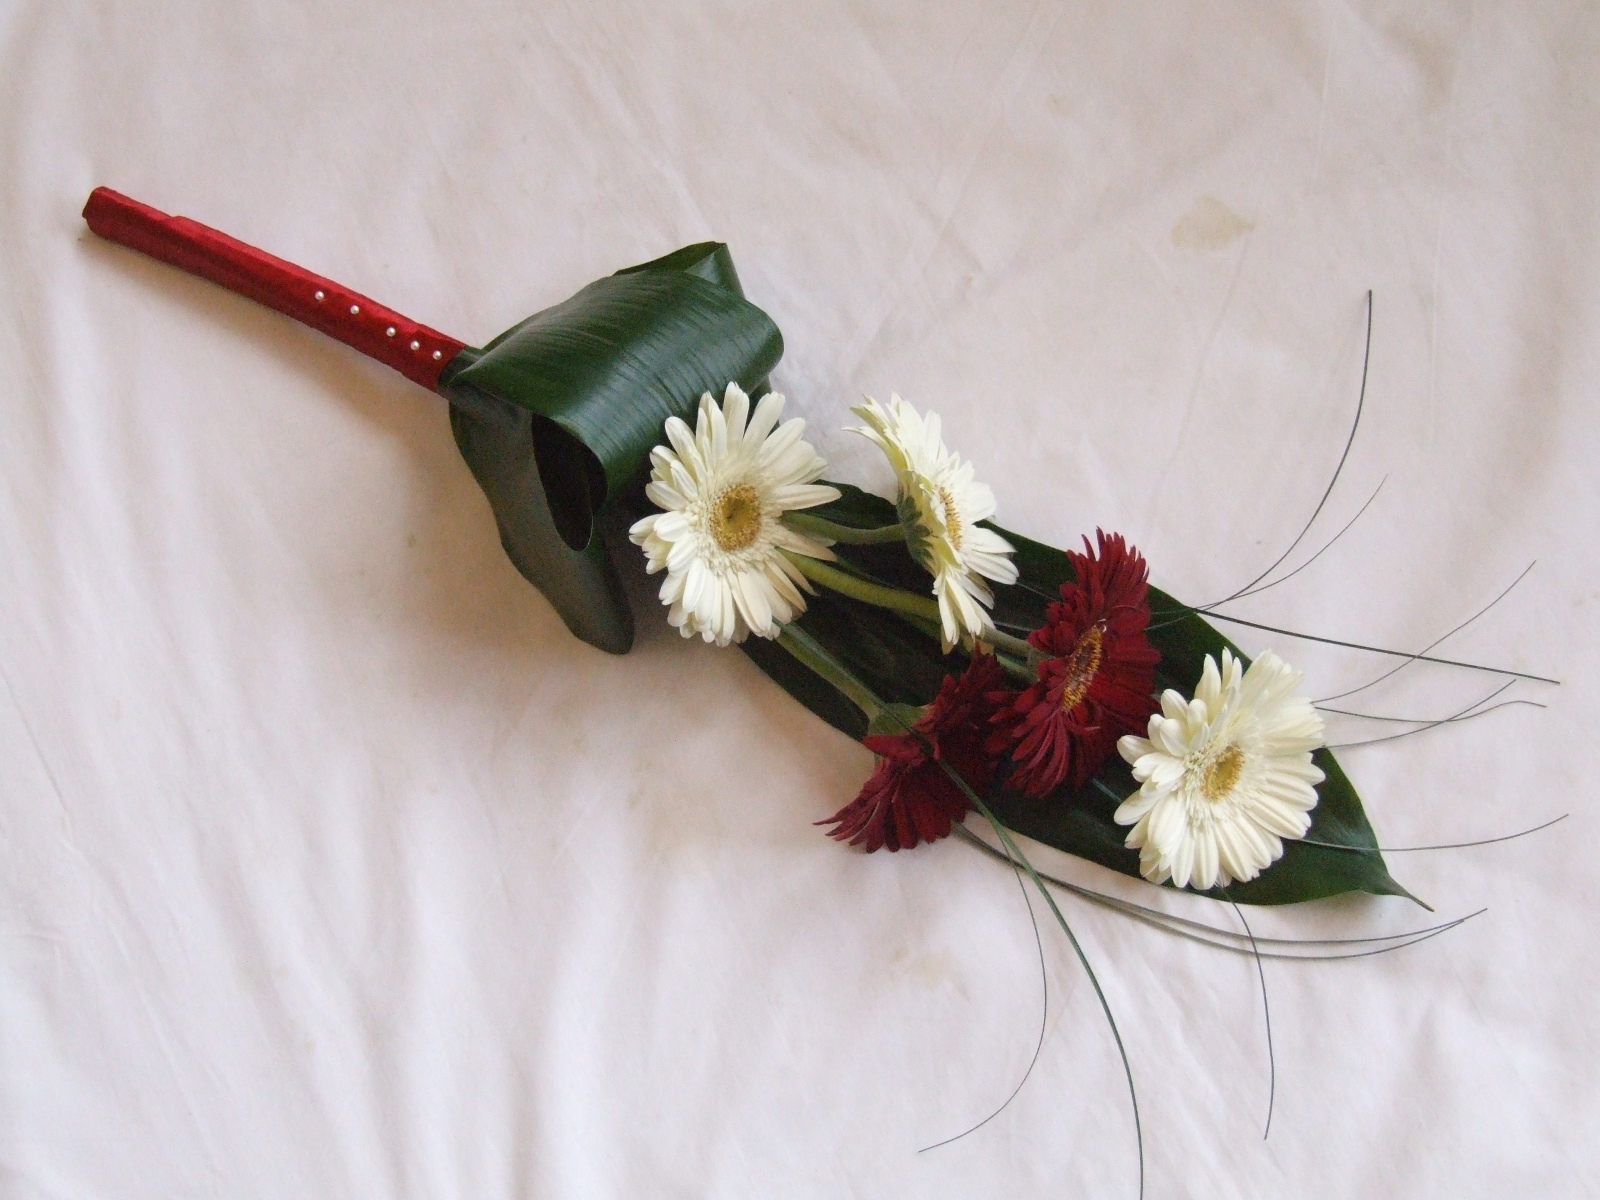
[556, 417]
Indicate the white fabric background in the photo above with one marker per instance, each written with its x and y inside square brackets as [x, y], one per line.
[330, 865]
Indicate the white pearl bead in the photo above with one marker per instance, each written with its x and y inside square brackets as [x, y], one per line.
[355, 309]
[438, 354]
[389, 332]
[416, 345]
[320, 296]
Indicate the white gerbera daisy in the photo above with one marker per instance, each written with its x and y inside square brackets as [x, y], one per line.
[1225, 777]
[940, 505]
[724, 488]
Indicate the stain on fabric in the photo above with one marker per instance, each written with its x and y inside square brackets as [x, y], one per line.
[1209, 225]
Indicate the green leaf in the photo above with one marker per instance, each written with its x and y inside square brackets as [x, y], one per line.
[904, 665]
[1080, 822]
[556, 417]
[894, 720]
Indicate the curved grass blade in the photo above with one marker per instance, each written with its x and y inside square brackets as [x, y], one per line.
[1212, 936]
[1423, 656]
[1361, 402]
[1345, 712]
[1266, 1013]
[837, 674]
[1321, 550]
[1408, 656]
[1044, 1021]
[1494, 841]
[1472, 710]
[1083, 959]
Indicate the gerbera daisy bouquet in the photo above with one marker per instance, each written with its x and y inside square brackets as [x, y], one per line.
[1056, 693]
[1005, 686]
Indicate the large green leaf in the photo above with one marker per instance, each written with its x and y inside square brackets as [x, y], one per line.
[904, 665]
[1080, 823]
[556, 417]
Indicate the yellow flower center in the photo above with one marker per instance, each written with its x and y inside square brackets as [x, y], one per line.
[1082, 664]
[736, 517]
[1222, 773]
[952, 518]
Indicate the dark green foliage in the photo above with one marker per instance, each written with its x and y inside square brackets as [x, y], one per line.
[556, 417]
[902, 664]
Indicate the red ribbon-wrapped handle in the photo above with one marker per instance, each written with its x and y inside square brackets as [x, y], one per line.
[417, 352]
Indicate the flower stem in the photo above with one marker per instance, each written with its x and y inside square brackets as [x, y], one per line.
[1017, 672]
[848, 534]
[865, 590]
[921, 611]
[1012, 645]
[805, 648]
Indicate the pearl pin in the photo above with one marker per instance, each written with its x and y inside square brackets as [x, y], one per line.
[437, 355]
[320, 296]
[389, 332]
[416, 345]
[355, 310]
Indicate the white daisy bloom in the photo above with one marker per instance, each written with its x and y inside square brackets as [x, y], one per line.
[940, 505]
[1225, 777]
[724, 489]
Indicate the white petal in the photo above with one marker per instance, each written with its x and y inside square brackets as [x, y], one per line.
[765, 420]
[1183, 862]
[697, 580]
[1205, 859]
[1165, 772]
[1168, 825]
[642, 528]
[684, 555]
[735, 410]
[663, 495]
[803, 495]
[1133, 748]
[1133, 809]
[683, 442]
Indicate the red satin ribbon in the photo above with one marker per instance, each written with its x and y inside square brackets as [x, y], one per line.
[417, 352]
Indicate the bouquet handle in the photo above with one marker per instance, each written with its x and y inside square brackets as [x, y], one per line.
[419, 353]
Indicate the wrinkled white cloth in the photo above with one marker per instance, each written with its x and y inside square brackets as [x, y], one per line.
[331, 865]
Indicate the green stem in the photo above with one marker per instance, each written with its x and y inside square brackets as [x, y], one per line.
[1013, 645]
[921, 611]
[865, 590]
[848, 534]
[805, 649]
[1023, 671]
[1018, 672]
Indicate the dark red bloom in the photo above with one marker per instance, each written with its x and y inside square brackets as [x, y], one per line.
[911, 797]
[1097, 684]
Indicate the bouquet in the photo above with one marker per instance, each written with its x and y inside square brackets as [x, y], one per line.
[1005, 685]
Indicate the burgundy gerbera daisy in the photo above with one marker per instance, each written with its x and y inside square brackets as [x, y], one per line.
[1097, 684]
[911, 797]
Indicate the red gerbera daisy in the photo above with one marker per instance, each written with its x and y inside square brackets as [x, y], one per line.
[911, 797]
[1097, 684]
